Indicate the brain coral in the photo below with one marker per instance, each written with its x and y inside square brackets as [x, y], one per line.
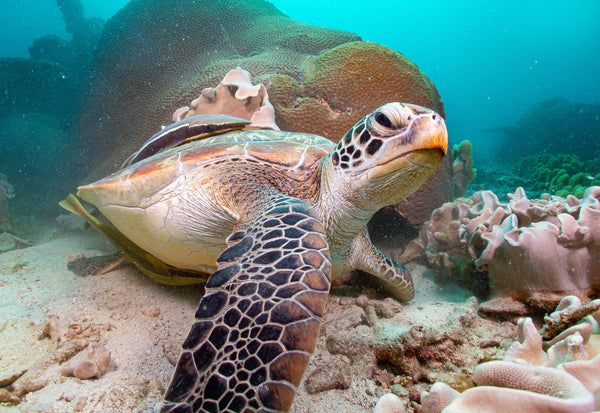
[156, 56]
[342, 84]
[534, 251]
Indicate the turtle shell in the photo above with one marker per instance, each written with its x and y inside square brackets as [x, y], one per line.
[292, 153]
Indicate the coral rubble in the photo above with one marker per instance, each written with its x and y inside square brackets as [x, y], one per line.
[562, 379]
[91, 363]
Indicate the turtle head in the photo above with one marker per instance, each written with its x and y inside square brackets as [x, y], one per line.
[388, 154]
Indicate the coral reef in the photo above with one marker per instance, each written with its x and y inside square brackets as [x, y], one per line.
[533, 251]
[160, 55]
[39, 101]
[559, 174]
[234, 96]
[562, 379]
[553, 125]
[86, 31]
[462, 168]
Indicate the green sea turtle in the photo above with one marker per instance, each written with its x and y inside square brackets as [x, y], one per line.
[273, 217]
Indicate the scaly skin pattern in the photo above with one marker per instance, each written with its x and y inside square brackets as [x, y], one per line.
[259, 320]
[274, 216]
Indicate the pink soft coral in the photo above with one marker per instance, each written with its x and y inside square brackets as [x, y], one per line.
[534, 251]
[234, 96]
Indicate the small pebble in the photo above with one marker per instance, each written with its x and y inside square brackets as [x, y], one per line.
[150, 311]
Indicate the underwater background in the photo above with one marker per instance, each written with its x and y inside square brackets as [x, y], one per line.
[490, 60]
[506, 231]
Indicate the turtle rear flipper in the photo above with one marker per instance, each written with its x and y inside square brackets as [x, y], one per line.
[259, 321]
[146, 263]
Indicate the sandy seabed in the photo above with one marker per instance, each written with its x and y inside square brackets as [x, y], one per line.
[48, 314]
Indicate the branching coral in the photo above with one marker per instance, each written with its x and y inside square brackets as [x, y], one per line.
[528, 379]
[534, 251]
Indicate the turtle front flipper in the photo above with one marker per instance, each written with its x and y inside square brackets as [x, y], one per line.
[259, 321]
[367, 257]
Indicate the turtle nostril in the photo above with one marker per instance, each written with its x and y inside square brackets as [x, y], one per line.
[434, 116]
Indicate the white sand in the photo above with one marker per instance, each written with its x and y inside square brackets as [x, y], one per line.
[143, 324]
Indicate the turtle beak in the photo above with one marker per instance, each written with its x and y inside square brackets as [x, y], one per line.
[423, 144]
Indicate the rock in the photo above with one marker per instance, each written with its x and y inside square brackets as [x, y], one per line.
[326, 378]
[8, 397]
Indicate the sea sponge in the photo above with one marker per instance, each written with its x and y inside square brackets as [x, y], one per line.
[534, 251]
[526, 380]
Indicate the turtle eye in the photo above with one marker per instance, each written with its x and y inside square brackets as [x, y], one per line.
[383, 120]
